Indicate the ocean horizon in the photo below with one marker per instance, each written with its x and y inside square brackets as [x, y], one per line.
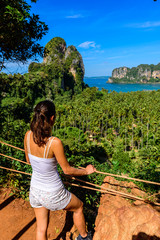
[101, 82]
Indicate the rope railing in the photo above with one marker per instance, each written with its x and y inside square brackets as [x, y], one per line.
[108, 189]
[102, 190]
[12, 158]
[13, 170]
[134, 179]
[115, 193]
[73, 184]
[105, 173]
[12, 146]
[76, 185]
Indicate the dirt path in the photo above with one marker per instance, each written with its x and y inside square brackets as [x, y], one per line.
[17, 220]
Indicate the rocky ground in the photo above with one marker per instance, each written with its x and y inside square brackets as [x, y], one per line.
[117, 219]
[17, 220]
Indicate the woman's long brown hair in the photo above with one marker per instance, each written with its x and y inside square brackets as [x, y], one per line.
[41, 124]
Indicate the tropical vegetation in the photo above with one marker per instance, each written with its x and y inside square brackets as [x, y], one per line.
[20, 31]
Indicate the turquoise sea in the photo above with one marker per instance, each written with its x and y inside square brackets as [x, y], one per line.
[102, 83]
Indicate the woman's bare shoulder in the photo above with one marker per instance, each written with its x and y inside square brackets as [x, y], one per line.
[56, 140]
[57, 145]
[26, 133]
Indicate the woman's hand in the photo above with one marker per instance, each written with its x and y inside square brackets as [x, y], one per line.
[90, 169]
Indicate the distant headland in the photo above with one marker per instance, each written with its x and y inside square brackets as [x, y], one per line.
[143, 73]
[97, 77]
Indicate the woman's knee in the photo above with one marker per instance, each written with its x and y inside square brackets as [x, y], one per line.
[80, 207]
[75, 204]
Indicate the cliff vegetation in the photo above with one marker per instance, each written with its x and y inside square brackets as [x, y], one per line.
[62, 67]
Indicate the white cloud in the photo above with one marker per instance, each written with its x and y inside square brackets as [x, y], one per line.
[144, 25]
[88, 44]
[75, 16]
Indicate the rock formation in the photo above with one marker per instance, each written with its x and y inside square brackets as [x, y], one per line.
[141, 74]
[62, 64]
[119, 219]
[54, 50]
[120, 72]
[74, 62]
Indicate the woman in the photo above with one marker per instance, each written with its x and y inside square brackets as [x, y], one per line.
[47, 191]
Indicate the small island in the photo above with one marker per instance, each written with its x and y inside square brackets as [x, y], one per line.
[143, 73]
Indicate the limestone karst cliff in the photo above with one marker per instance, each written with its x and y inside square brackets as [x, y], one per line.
[143, 73]
[61, 63]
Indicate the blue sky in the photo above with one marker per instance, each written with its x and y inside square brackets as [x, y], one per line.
[107, 33]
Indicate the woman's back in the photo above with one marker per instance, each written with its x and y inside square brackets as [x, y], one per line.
[43, 151]
[44, 165]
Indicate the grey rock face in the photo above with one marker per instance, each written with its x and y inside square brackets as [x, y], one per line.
[119, 72]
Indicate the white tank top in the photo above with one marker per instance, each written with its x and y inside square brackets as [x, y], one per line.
[44, 170]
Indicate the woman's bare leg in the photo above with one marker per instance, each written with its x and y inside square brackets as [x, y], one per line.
[42, 223]
[76, 206]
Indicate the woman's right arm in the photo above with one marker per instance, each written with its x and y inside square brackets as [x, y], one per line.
[25, 147]
[58, 150]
